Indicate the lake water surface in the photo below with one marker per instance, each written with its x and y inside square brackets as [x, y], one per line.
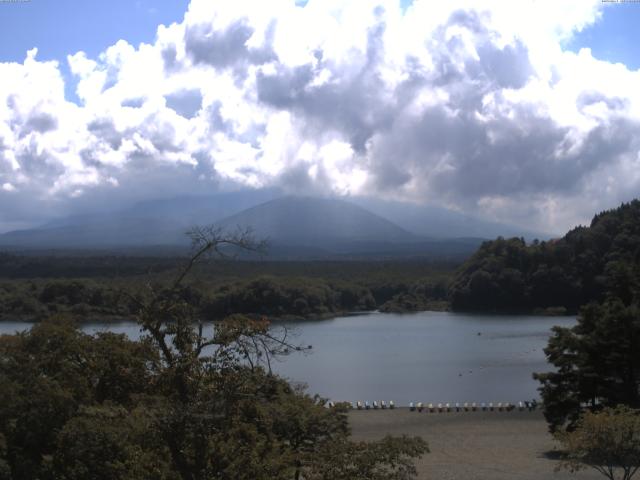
[426, 356]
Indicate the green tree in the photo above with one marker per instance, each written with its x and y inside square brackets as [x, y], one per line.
[109, 442]
[607, 441]
[597, 363]
[49, 373]
[587, 264]
[5, 471]
[389, 459]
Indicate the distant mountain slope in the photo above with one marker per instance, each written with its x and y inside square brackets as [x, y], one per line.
[179, 211]
[437, 222]
[298, 227]
[318, 222]
[160, 222]
[97, 233]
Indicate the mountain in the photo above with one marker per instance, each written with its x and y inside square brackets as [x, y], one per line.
[183, 211]
[437, 222]
[151, 223]
[318, 222]
[298, 227]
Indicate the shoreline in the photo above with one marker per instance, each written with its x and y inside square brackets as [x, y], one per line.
[471, 445]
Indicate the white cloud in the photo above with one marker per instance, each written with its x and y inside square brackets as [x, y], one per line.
[474, 105]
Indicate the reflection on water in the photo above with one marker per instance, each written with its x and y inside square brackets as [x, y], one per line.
[427, 356]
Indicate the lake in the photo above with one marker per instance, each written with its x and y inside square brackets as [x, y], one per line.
[427, 356]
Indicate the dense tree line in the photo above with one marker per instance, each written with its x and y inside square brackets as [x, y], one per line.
[36, 300]
[597, 361]
[90, 265]
[274, 295]
[419, 296]
[304, 297]
[81, 264]
[584, 266]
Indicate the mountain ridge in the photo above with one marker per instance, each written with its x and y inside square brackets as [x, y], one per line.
[317, 227]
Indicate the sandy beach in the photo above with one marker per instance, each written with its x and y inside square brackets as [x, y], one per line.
[472, 445]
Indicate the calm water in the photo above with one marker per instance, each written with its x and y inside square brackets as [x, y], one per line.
[427, 356]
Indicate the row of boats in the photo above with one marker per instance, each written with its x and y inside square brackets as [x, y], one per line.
[473, 407]
[368, 406]
[445, 407]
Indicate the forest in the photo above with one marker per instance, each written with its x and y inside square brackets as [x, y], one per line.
[504, 275]
[556, 276]
[101, 288]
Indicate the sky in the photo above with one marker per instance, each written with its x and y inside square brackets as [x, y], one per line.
[523, 112]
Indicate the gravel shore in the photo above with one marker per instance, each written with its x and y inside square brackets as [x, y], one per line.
[472, 445]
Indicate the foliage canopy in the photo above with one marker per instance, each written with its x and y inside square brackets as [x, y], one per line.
[586, 265]
[607, 441]
[597, 363]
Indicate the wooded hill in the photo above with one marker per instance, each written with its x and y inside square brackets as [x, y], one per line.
[586, 265]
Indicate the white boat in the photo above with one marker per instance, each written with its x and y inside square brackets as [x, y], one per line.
[392, 405]
[375, 404]
[366, 405]
[412, 407]
[383, 404]
[419, 406]
[359, 405]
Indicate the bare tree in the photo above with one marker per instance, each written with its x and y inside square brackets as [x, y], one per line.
[177, 327]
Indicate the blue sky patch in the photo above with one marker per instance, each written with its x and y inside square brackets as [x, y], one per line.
[615, 38]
